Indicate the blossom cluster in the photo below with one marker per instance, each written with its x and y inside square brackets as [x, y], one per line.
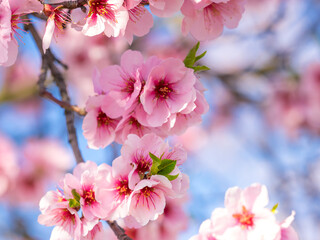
[132, 191]
[297, 102]
[245, 217]
[139, 97]
[26, 172]
[204, 19]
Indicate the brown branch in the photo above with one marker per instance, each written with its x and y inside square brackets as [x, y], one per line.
[69, 4]
[65, 105]
[48, 62]
[120, 233]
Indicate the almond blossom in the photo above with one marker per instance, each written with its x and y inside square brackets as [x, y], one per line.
[10, 16]
[165, 8]
[57, 18]
[140, 21]
[140, 97]
[205, 19]
[87, 181]
[55, 211]
[245, 217]
[100, 122]
[8, 164]
[108, 16]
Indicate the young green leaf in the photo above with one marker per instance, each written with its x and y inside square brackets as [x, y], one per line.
[274, 208]
[155, 163]
[75, 195]
[200, 56]
[74, 203]
[166, 166]
[192, 58]
[200, 68]
[172, 177]
[189, 61]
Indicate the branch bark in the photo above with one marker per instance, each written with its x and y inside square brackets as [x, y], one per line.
[69, 4]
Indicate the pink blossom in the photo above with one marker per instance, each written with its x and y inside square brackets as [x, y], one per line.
[135, 151]
[117, 190]
[167, 226]
[147, 201]
[287, 231]
[10, 13]
[122, 82]
[56, 20]
[205, 19]
[310, 96]
[106, 16]
[165, 8]
[88, 180]
[169, 89]
[140, 21]
[8, 164]
[244, 217]
[43, 161]
[101, 121]
[56, 212]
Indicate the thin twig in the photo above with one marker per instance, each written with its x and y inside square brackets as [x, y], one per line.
[120, 233]
[65, 105]
[49, 60]
[69, 4]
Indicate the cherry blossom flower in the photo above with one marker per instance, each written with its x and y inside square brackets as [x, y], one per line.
[57, 18]
[108, 16]
[101, 121]
[55, 211]
[165, 8]
[205, 19]
[10, 13]
[8, 164]
[140, 21]
[122, 82]
[43, 161]
[147, 201]
[88, 181]
[169, 89]
[167, 226]
[245, 217]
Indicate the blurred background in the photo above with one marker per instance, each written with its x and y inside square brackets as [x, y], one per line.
[263, 124]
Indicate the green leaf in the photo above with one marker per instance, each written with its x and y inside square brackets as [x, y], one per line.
[166, 166]
[155, 164]
[75, 195]
[200, 68]
[200, 56]
[192, 58]
[74, 203]
[274, 208]
[172, 177]
[189, 61]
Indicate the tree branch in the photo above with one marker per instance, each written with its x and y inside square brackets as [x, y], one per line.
[48, 62]
[69, 4]
[120, 233]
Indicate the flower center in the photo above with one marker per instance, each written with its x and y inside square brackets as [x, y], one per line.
[102, 8]
[103, 119]
[123, 188]
[89, 197]
[143, 165]
[245, 218]
[163, 90]
[129, 88]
